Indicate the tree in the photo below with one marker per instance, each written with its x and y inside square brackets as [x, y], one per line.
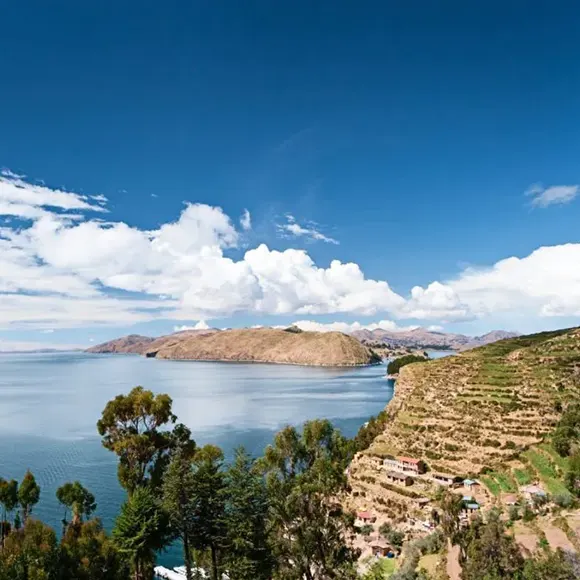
[451, 506]
[141, 530]
[247, 554]
[77, 499]
[492, 553]
[553, 565]
[305, 472]
[32, 554]
[573, 474]
[28, 494]
[207, 511]
[396, 365]
[88, 554]
[178, 502]
[132, 426]
[9, 501]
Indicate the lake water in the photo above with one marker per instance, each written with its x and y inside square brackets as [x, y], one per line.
[50, 403]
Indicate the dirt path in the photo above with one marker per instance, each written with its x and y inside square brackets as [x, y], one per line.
[453, 567]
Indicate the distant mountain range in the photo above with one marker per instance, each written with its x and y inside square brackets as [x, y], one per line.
[257, 344]
[422, 338]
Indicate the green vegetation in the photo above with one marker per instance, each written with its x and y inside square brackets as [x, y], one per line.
[523, 476]
[491, 484]
[396, 365]
[271, 518]
[491, 553]
[505, 481]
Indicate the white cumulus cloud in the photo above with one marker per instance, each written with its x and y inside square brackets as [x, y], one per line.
[349, 327]
[60, 266]
[201, 325]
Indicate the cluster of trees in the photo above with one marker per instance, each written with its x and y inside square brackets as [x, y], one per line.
[490, 553]
[566, 439]
[396, 365]
[274, 517]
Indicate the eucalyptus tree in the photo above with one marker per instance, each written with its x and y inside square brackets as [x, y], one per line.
[76, 498]
[136, 427]
[9, 501]
[305, 475]
[28, 494]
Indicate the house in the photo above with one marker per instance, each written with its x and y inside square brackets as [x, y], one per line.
[400, 478]
[532, 492]
[471, 507]
[470, 483]
[422, 501]
[467, 499]
[381, 549]
[510, 499]
[364, 519]
[410, 464]
[445, 479]
[415, 466]
[392, 463]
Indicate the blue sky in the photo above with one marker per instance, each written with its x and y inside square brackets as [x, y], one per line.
[409, 134]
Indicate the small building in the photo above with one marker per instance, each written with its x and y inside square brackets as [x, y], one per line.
[470, 483]
[471, 507]
[415, 466]
[422, 501]
[392, 463]
[532, 492]
[382, 549]
[364, 519]
[410, 464]
[510, 500]
[467, 499]
[400, 478]
[445, 479]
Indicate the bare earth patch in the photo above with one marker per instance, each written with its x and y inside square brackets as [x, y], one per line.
[557, 538]
[525, 538]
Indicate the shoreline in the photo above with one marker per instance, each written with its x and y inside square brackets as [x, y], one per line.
[244, 361]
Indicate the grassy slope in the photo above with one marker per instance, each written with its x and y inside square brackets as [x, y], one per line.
[485, 408]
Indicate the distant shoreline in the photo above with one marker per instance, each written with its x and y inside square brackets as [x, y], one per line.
[245, 361]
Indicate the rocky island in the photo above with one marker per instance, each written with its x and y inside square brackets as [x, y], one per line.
[264, 345]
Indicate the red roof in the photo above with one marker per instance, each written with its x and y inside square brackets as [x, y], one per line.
[365, 516]
[409, 460]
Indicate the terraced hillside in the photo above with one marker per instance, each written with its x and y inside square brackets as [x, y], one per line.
[492, 407]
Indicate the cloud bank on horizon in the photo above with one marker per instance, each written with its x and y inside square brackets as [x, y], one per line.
[63, 265]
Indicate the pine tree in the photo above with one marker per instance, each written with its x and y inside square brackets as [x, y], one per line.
[141, 529]
[179, 496]
[247, 554]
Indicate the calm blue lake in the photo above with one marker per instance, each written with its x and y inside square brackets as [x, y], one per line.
[50, 403]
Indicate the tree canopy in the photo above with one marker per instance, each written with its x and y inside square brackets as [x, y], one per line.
[396, 365]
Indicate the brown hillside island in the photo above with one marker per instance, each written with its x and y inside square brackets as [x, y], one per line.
[259, 345]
